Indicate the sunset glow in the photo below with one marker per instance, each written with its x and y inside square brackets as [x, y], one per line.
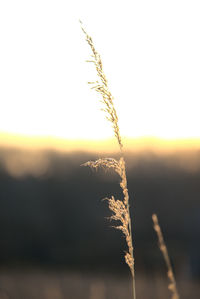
[105, 145]
[151, 58]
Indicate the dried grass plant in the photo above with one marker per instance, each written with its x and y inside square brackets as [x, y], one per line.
[172, 282]
[119, 208]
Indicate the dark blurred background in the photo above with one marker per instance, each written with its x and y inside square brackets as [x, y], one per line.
[52, 216]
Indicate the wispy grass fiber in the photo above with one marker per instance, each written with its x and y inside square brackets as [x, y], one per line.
[172, 282]
[120, 208]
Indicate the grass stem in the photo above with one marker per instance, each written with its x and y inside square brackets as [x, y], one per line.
[119, 208]
[172, 285]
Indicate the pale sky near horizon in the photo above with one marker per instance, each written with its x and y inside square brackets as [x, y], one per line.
[150, 52]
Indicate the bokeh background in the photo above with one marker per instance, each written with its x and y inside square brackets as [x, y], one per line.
[56, 239]
[54, 227]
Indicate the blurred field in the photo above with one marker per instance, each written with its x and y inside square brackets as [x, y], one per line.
[61, 284]
[52, 217]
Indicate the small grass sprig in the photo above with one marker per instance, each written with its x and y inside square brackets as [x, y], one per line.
[172, 282]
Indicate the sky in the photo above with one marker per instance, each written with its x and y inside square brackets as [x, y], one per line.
[150, 53]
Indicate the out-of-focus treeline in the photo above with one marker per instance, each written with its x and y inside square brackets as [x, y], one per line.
[52, 213]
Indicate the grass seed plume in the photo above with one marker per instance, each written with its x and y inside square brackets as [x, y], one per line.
[119, 208]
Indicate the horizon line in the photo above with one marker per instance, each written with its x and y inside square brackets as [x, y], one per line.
[108, 144]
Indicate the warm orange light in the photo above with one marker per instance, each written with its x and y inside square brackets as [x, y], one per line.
[104, 145]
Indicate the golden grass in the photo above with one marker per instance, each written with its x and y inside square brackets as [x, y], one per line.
[119, 208]
[172, 285]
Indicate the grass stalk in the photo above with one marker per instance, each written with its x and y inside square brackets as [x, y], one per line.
[120, 208]
[172, 282]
